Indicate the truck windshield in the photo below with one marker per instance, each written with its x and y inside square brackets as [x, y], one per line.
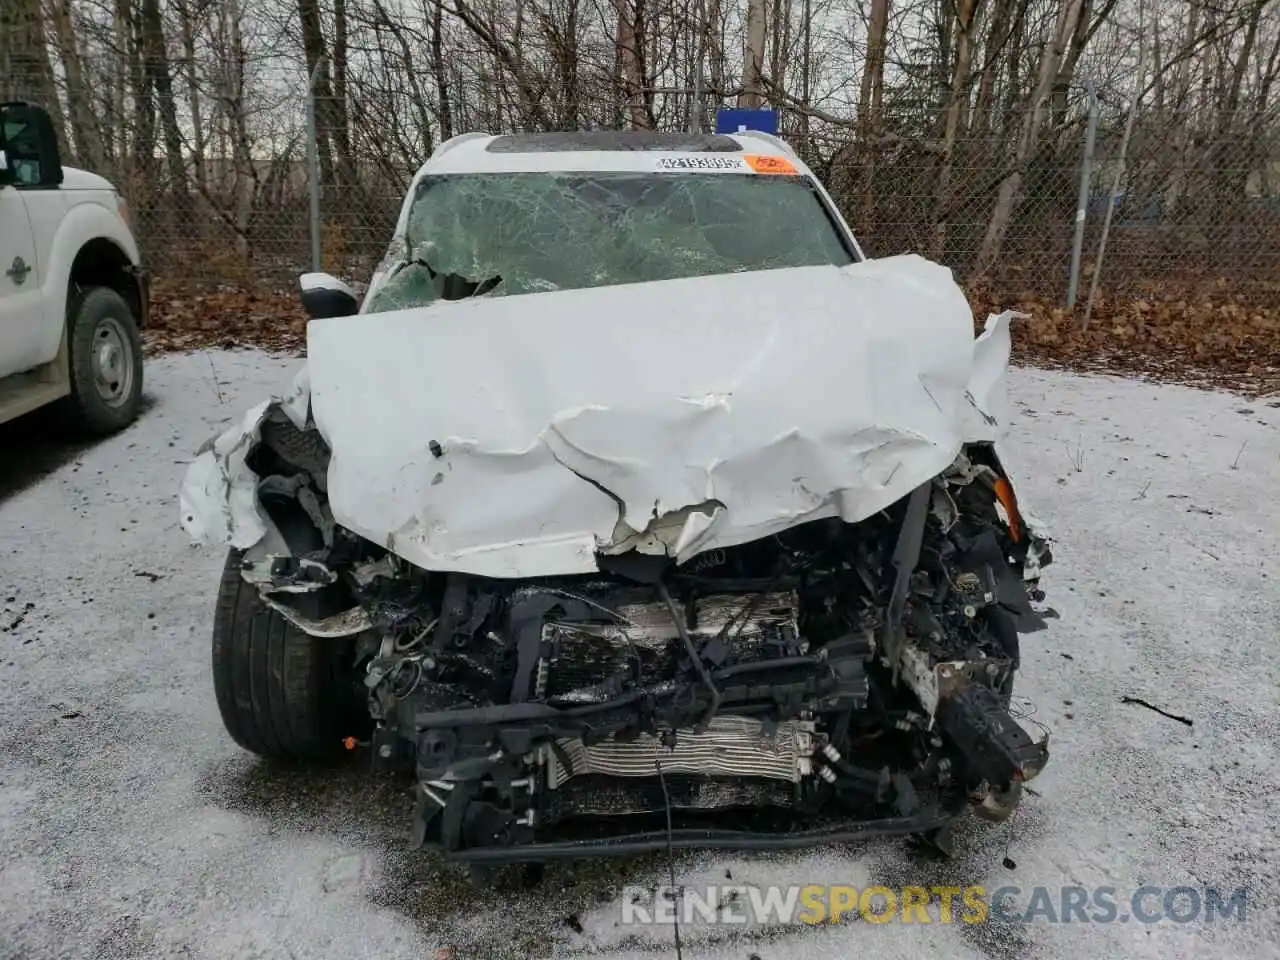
[503, 234]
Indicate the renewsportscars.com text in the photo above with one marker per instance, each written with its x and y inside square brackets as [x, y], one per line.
[825, 903]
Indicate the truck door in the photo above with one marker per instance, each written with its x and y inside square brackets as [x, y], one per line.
[20, 301]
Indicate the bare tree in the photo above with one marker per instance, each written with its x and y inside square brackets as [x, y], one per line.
[25, 69]
[753, 56]
[952, 127]
[1033, 120]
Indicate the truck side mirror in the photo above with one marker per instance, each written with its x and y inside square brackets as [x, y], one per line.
[29, 155]
[325, 296]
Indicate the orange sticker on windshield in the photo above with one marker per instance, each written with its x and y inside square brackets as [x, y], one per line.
[763, 164]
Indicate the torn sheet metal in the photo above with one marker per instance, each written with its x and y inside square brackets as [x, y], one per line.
[345, 624]
[989, 389]
[219, 494]
[522, 436]
[218, 499]
[570, 421]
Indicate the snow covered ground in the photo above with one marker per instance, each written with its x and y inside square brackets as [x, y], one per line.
[131, 826]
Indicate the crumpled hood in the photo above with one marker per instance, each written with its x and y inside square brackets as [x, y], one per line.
[518, 436]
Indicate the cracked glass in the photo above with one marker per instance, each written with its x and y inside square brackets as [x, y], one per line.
[502, 234]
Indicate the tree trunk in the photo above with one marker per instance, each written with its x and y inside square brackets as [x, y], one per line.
[25, 70]
[631, 60]
[647, 26]
[870, 98]
[998, 33]
[806, 91]
[966, 14]
[317, 55]
[1013, 83]
[1032, 123]
[160, 81]
[568, 56]
[779, 48]
[1232, 136]
[441, 74]
[116, 137]
[753, 56]
[246, 173]
[85, 135]
[941, 72]
[715, 49]
[144, 100]
[339, 125]
[509, 56]
[1232, 101]
[1157, 68]
[1066, 68]
[187, 27]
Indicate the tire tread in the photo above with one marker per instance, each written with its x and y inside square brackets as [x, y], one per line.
[83, 410]
[271, 681]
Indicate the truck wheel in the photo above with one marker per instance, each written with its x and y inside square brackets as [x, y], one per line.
[105, 353]
[282, 694]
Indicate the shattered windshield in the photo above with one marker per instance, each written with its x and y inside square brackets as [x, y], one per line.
[511, 233]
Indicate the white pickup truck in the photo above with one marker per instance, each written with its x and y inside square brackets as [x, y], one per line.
[73, 295]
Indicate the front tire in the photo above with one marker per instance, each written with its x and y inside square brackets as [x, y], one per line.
[282, 694]
[105, 363]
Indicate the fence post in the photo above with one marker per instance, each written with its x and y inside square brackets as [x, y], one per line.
[1082, 203]
[313, 161]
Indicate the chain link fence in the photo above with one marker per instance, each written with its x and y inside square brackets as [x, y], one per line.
[1197, 200]
[1193, 200]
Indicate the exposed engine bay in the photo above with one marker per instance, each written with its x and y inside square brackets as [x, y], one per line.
[598, 584]
[831, 681]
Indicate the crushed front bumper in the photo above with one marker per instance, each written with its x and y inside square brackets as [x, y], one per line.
[631, 844]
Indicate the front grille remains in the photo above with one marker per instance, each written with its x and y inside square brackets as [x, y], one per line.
[598, 796]
[731, 746]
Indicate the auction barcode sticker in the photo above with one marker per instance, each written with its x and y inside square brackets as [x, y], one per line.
[746, 163]
[728, 164]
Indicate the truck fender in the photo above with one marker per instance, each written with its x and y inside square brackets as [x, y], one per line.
[83, 223]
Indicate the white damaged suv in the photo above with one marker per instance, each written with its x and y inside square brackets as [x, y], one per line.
[633, 491]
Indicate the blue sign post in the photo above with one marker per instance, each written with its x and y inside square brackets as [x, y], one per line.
[739, 121]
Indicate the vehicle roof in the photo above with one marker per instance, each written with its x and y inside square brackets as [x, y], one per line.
[747, 152]
[605, 150]
[612, 140]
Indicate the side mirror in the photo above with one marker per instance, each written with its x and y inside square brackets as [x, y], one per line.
[29, 155]
[325, 296]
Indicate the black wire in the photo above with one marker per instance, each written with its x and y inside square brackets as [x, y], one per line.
[683, 629]
[671, 857]
[1008, 840]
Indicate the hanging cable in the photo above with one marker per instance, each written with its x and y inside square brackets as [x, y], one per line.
[683, 629]
[671, 855]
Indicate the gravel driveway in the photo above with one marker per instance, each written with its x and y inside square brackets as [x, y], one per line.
[131, 826]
